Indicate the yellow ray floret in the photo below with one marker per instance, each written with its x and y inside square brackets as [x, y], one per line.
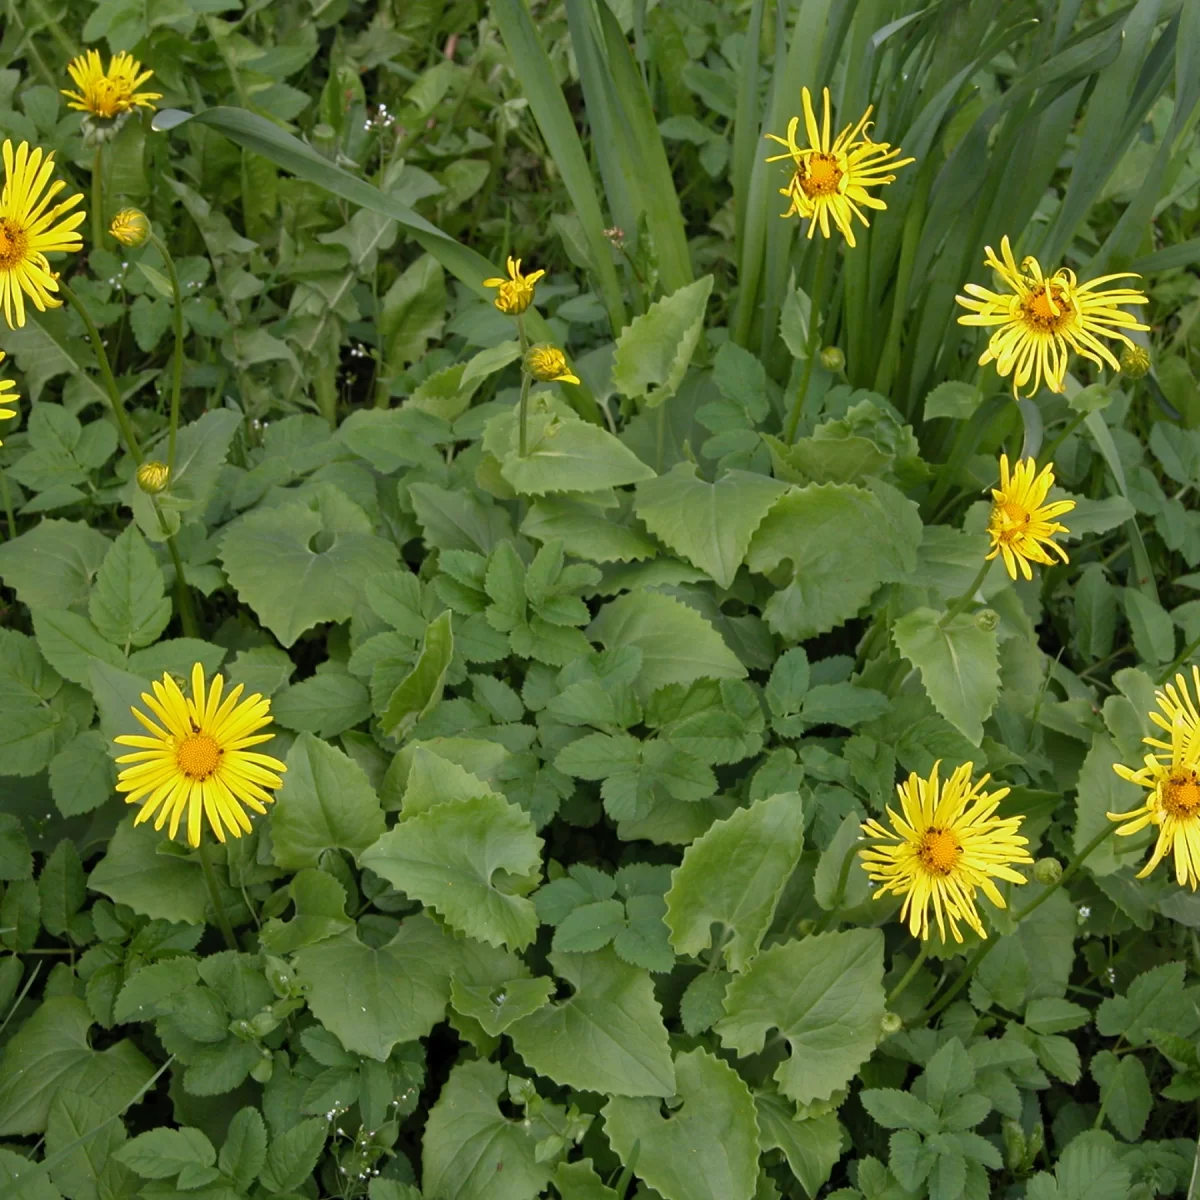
[1042, 318]
[945, 845]
[515, 293]
[831, 177]
[197, 758]
[30, 228]
[112, 93]
[1173, 803]
[8, 397]
[1022, 524]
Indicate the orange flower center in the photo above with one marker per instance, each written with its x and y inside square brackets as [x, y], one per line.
[14, 244]
[198, 756]
[1047, 308]
[1181, 795]
[939, 851]
[820, 175]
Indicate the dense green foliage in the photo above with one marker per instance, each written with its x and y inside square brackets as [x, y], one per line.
[559, 896]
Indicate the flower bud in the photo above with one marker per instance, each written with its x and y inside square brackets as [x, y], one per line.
[548, 364]
[131, 227]
[1047, 870]
[152, 477]
[832, 359]
[806, 927]
[1014, 1144]
[1135, 361]
[987, 619]
[891, 1023]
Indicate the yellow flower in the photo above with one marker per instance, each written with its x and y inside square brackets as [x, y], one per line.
[830, 178]
[28, 231]
[131, 227]
[152, 477]
[197, 758]
[1022, 522]
[548, 364]
[8, 395]
[1046, 317]
[516, 292]
[112, 93]
[1178, 707]
[947, 844]
[1174, 800]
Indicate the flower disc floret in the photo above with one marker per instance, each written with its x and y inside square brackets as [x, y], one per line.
[1042, 318]
[198, 759]
[945, 844]
[1022, 524]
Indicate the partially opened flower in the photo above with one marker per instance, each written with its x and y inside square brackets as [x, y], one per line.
[197, 758]
[1022, 524]
[1042, 318]
[30, 228]
[944, 845]
[1173, 802]
[515, 293]
[831, 178]
[112, 93]
[131, 227]
[8, 396]
[548, 364]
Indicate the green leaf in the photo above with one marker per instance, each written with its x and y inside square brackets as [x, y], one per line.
[953, 399]
[1124, 1092]
[61, 887]
[1154, 1000]
[50, 1054]
[84, 1124]
[320, 913]
[959, 665]
[840, 542]
[707, 1149]
[245, 1150]
[894, 1109]
[1151, 626]
[497, 1006]
[291, 587]
[590, 927]
[677, 644]
[411, 313]
[294, 1154]
[373, 999]
[326, 704]
[128, 605]
[459, 857]
[326, 801]
[471, 1150]
[53, 565]
[608, 1037]
[17, 1168]
[1087, 1169]
[421, 689]
[733, 876]
[653, 351]
[148, 991]
[70, 643]
[579, 1181]
[16, 859]
[812, 1146]
[709, 524]
[825, 996]
[585, 530]
[163, 1153]
[1099, 791]
[157, 885]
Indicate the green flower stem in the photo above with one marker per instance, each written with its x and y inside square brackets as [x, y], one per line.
[214, 895]
[961, 604]
[98, 199]
[526, 380]
[183, 596]
[820, 284]
[909, 975]
[177, 366]
[985, 948]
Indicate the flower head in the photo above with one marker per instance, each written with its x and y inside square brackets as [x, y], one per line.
[830, 178]
[198, 758]
[152, 477]
[516, 292]
[1173, 802]
[108, 94]
[1135, 361]
[30, 228]
[131, 227]
[1042, 318]
[548, 364]
[8, 396]
[947, 844]
[1022, 523]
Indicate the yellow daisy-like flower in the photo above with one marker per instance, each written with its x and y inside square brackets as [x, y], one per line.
[8, 396]
[1022, 523]
[1044, 317]
[131, 227]
[198, 758]
[1174, 800]
[112, 93]
[548, 364]
[1178, 707]
[831, 178]
[947, 844]
[516, 292]
[30, 228]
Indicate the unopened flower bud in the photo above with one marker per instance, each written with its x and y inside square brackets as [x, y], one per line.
[152, 477]
[1047, 870]
[1135, 361]
[832, 359]
[131, 227]
[987, 619]
[891, 1023]
[1014, 1144]
[548, 364]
